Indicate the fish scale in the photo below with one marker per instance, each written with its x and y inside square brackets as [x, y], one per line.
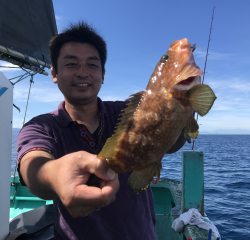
[155, 117]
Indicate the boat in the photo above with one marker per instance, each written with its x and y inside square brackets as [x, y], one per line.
[171, 198]
[24, 214]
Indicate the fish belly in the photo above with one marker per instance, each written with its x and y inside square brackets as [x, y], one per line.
[150, 135]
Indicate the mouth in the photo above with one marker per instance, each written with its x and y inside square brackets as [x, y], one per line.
[187, 81]
[82, 85]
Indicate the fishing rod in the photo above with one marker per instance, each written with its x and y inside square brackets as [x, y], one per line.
[204, 72]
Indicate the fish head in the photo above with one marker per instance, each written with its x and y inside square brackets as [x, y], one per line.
[180, 71]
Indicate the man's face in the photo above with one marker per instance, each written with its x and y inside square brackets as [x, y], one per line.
[79, 73]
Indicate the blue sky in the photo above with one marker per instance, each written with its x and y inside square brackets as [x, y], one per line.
[138, 33]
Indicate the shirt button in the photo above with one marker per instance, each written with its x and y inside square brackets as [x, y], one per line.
[92, 144]
[83, 134]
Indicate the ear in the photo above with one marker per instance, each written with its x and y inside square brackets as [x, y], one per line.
[104, 71]
[53, 75]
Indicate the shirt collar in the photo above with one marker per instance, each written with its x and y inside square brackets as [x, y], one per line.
[64, 119]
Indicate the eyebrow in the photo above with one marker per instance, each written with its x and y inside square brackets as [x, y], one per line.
[70, 56]
[74, 57]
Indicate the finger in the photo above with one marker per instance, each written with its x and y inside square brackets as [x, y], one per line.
[98, 166]
[97, 198]
[103, 170]
[109, 190]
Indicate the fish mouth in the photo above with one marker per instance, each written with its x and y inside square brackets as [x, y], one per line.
[186, 84]
[187, 81]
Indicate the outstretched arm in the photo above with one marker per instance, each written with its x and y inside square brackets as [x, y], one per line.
[66, 178]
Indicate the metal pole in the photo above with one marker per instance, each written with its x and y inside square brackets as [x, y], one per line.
[23, 57]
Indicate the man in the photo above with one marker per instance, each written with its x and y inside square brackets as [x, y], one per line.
[57, 152]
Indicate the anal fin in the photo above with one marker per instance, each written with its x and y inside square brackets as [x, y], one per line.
[192, 128]
[139, 180]
[188, 138]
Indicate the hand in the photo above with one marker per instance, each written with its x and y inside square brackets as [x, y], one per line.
[70, 175]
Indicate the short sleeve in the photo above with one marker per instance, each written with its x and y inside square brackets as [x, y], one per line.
[38, 135]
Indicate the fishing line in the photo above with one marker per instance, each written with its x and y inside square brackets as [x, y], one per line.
[18, 76]
[31, 81]
[204, 72]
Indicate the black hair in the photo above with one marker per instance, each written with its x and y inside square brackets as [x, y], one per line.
[80, 32]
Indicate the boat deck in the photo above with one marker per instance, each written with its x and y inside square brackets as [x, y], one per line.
[167, 198]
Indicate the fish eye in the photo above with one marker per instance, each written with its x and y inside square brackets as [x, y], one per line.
[166, 57]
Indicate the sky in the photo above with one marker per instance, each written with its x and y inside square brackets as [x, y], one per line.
[138, 33]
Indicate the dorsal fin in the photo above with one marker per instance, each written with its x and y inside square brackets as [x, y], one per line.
[110, 147]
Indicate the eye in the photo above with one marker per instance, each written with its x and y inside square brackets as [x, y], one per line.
[164, 58]
[70, 64]
[93, 65]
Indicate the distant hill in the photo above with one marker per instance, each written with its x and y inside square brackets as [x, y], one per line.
[227, 131]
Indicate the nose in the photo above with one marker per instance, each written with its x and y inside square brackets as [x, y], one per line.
[82, 71]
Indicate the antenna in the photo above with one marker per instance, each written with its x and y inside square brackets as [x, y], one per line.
[204, 72]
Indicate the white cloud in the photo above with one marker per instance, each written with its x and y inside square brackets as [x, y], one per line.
[212, 55]
[8, 67]
[43, 94]
[111, 98]
[223, 121]
[135, 89]
[232, 96]
[58, 17]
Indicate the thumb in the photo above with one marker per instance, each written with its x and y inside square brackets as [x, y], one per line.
[101, 170]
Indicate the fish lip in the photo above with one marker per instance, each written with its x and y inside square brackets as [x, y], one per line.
[187, 81]
[192, 81]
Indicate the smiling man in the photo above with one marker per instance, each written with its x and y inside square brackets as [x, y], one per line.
[79, 76]
[57, 152]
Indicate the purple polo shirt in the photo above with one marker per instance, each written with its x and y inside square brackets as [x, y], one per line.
[131, 216]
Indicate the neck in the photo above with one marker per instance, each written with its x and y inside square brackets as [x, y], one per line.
[87, 114]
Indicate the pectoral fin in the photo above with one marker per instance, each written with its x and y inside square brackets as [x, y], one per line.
[192, 128]
[139, 180]
[201, 98]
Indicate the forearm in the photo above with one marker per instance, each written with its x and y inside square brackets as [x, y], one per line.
[37, 173]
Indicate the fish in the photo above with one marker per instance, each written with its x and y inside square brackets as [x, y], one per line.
[154, 118]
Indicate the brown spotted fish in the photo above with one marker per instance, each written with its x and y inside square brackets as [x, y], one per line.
[155, 117]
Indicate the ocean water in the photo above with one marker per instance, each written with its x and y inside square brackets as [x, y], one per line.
[227, 180]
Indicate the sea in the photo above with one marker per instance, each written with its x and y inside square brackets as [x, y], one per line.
[227, 180]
